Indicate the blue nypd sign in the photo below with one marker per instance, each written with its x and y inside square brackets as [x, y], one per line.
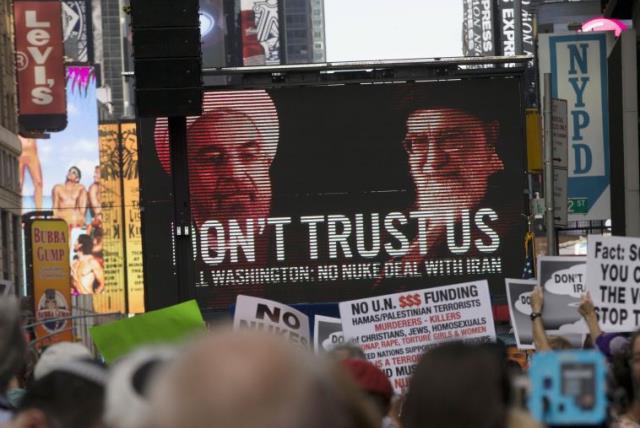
[578, 65]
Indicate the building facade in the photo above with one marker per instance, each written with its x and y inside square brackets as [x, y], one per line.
[302, 24]
[10, 148]
[317, 28]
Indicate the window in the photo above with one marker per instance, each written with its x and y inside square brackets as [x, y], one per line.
[7, 170]
[4, 244]
[16, 182]
[3, 171]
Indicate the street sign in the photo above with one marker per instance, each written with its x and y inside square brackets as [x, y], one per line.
[560, 203]
[560, 140]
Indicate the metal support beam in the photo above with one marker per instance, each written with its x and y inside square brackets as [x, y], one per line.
[548, 168]
[182, 206]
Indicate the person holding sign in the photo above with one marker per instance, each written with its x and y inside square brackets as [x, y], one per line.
[544, 343]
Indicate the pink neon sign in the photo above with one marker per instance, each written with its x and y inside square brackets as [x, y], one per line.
[605, 24]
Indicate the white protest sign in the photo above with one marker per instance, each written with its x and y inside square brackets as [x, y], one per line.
[563, 282]
[394, 330]
[613, 278]
[327, 333]
[273, 317]
[519, 299]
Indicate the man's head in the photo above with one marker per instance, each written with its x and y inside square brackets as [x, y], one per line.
[626, 372]
[84, 244]
[633, 355]
[451, 157]
[238, 130]
[229, 157]
[458, 385]
[50, 301]
[74, 175]
[247, 379]
[96, 174]
[372, 381]
[347, 350]
[70, 396]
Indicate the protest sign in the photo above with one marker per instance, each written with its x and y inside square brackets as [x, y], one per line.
[613, 278]
[274, 317]
[327, 333]
[518, 297]
[395, 329]
[563, 282]
[167, 325]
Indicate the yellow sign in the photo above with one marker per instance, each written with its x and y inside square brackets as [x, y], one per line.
[51, 280]
[122, 241]
[534, 140]
[135, 281]
[112, 299]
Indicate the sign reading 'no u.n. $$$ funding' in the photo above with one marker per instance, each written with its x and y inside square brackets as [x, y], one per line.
[394, 330]
[578, 66]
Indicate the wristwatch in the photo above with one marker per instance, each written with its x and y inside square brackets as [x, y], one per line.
[535, 315]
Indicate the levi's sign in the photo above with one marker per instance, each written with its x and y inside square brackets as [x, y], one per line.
[40, 65]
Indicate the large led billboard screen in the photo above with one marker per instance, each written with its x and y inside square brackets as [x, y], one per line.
[322, 194]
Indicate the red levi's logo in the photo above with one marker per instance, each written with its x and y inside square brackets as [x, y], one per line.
[40, 57]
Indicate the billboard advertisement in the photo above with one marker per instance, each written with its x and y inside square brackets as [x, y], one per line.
[111, 213]
[132, 221]
[478, 28]
[259, 25]
[49, 244]
[578, 67]
[61, 174]
[122, 242]
[40, 65]
[361, 190]
[76, 26]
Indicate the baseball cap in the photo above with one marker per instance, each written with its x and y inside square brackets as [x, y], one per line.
[369, 377]
[57, 355]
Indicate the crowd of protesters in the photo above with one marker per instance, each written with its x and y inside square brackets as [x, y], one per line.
[244, 379]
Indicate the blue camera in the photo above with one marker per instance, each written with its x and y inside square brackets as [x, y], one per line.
[568, 388]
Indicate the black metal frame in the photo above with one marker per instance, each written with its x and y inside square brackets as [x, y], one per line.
[260, 77]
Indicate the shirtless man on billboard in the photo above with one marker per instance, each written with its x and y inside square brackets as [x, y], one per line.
[87, 275]
[29, 160]
[69, 199]
[95, 206]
